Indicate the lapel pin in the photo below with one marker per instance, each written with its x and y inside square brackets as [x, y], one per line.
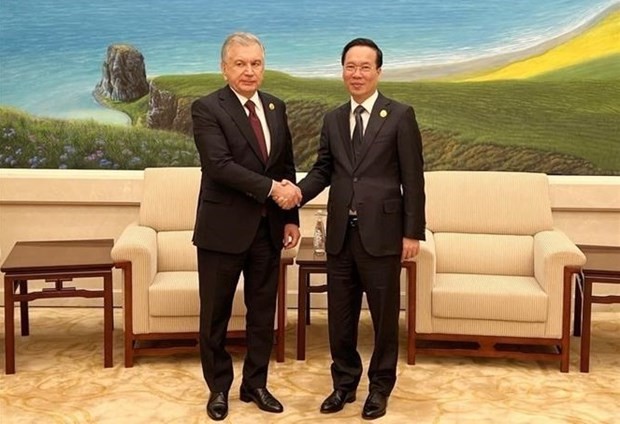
[271, 106]
[383, 113]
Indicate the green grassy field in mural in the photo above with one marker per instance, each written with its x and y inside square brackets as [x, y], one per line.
[576, 118]
[29, 142]
[136, 110]
[558, 125]
[281, 84]
[579, 118]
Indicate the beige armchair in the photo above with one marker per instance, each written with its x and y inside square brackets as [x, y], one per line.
[494, 276]
[161, 302]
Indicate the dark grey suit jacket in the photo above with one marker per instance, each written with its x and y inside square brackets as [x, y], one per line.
[235, 183]
[386, 181]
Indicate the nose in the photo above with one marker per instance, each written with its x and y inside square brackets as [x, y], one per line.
[357, 72]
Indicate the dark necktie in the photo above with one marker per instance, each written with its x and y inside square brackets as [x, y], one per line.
[257, 128]
[358, 130]
[357, 140]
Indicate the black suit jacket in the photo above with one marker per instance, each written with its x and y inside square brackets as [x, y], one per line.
[235, 183]
[387, 179]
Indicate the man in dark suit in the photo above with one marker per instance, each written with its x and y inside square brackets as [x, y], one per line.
[246, 156]
[370, 154]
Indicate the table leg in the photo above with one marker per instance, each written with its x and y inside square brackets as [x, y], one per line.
[308, 304]
[578, 304]
[9, 326]
[23, 308]
[108, 320]
[584, 365]
[303, 279]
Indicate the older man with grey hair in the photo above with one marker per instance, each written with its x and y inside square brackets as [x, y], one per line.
[246, 156]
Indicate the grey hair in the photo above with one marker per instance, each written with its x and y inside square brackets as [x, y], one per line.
[243, 38]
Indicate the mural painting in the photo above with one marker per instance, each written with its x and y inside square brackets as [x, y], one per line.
[496, 85]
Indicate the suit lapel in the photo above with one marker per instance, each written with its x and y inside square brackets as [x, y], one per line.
[230, 103]
[273, 127]
[379, 112]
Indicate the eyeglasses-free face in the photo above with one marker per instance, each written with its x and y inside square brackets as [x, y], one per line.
[359, 72]
[244, 68]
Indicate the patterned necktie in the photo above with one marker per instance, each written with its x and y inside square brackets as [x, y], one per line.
[358, 130]
[257, 128]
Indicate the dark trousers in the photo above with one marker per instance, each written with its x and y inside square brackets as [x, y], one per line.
[218, 277]
[351, 273]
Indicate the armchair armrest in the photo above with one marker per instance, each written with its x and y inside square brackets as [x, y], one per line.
[138, 245]
[287, 257]
[289, 253]
[553, 251]
[425, 280]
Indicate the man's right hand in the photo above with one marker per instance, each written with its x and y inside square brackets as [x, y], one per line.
[286, 194]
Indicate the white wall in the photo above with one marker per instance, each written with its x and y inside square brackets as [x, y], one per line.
[79, 204]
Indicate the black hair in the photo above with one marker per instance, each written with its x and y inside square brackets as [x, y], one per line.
[363, 42]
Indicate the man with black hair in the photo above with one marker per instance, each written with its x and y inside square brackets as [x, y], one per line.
[370, 154]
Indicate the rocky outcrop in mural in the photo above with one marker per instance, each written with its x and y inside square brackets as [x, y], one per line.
[123, 74]
[167, 112]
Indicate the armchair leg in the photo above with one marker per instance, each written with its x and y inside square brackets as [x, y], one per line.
[411, 304]
[128, 311]
[281, 309]
[566, 301]
[280, 348]
[128, 350]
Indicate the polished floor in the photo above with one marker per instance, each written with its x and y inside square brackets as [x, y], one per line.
[60, 379]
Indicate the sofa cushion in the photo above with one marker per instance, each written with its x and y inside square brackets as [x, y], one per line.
[487, 202]
[489, 297]
[175, 251]
[176, 294]
[170, 198]
[484, 254]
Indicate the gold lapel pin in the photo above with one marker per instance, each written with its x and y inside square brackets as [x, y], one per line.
[271, 106]
[383, 113]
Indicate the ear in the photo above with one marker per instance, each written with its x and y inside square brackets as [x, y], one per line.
[223, 69]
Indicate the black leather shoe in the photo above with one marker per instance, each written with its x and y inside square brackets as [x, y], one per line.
[262, 398]
[217, 406]
[336, 400]
[375, 406]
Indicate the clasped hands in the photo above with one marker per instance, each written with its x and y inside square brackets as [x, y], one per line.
[286, 194]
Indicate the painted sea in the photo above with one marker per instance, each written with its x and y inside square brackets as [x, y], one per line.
[51, 51]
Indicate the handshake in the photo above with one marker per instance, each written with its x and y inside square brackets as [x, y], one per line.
[286, 194]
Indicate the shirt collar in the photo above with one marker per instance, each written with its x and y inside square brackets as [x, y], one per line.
[255, 98]
[367, 104]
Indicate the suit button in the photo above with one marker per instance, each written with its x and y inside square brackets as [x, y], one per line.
[355, 179]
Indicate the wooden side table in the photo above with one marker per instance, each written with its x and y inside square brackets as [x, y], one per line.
[55, 262]
[311, 263]
[602, 266]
